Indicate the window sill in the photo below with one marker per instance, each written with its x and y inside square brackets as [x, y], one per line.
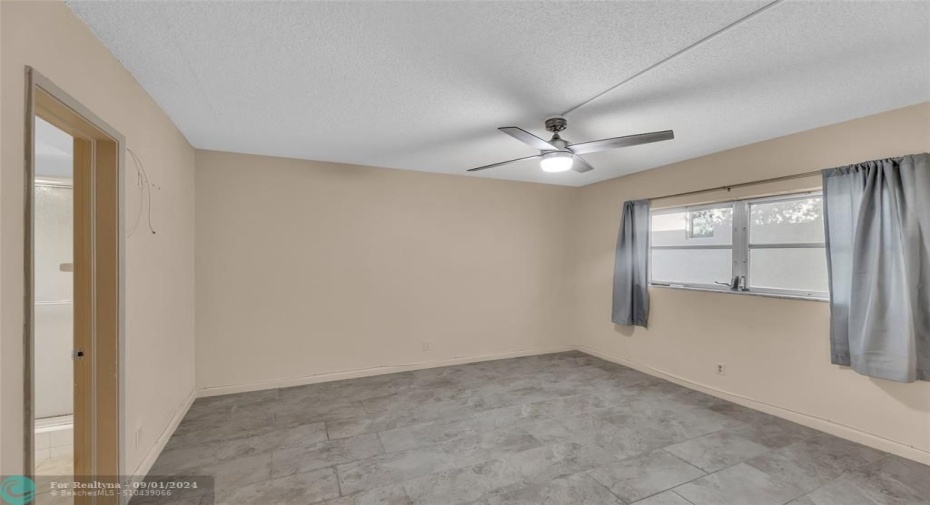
[742, 293]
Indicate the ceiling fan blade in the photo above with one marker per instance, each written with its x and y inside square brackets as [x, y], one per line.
[581, 166]
[528, 138]
[614, 143]
[503, 163]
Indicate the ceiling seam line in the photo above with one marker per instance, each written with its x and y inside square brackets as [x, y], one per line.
[675, 55]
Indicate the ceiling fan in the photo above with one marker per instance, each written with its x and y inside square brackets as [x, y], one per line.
[557, 155]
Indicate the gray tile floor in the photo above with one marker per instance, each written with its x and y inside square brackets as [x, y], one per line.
[562, 428]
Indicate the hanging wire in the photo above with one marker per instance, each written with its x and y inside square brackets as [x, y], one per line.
[146, 186]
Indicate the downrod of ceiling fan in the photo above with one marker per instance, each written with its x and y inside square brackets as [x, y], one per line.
[559, 142]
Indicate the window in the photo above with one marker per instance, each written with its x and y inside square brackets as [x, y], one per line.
[766, 245]
[701, 223]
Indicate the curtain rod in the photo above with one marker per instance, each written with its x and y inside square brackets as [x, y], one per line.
[728, 187]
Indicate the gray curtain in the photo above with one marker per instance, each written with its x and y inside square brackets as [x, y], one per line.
[877, 220]
[631, 282]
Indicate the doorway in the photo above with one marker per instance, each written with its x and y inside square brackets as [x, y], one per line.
[74, 287]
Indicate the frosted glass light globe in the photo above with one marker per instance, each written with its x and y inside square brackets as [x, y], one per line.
[558, 161]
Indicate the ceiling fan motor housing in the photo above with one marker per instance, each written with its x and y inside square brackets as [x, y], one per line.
[556, 124]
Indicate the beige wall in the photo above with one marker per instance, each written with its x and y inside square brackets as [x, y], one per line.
[308, 268]
[776, 350]
[160, 268]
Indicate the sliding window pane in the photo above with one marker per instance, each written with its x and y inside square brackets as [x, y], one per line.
[692, 266]
[787, 222]
[802, 269]
[693, 228]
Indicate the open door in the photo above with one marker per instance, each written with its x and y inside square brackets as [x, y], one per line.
[96, 276]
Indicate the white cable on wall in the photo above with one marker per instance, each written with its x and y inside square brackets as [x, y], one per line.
[146, 197]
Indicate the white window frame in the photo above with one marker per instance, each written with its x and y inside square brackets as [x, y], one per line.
[740, 246]
[691, 208]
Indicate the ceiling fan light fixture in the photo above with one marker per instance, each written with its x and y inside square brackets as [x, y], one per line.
[558, 161]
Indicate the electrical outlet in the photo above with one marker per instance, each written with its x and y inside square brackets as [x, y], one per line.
[426, 345]
[721, 369]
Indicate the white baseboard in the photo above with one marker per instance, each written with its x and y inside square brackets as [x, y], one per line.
[150, 457]
[377, 370]
[817, 423]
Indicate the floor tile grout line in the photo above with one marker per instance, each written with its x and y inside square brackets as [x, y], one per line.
[611, 491]
[708, 474]
[338, 480]
[842, 475]
[680, 496]
[745, 461]
[381, 442]
[805, 493]
[705, 472]
[406, 494]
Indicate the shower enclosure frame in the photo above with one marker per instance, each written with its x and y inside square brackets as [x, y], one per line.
[100, 284]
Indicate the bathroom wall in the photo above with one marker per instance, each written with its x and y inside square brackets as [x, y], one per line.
[54, 281]
[54, 308]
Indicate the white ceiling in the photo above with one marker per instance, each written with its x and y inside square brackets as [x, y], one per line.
[424, 85]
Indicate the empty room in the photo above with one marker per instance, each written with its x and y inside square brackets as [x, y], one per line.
[462, 252]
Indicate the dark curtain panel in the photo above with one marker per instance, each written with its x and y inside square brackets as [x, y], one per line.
[877, 220]
[631, 282]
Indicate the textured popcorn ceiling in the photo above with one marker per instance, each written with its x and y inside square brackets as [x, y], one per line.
[424, 85]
